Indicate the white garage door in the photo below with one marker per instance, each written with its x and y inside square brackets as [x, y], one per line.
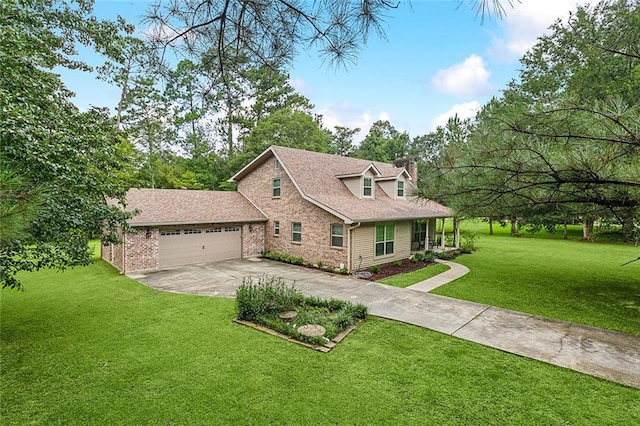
[189, 245]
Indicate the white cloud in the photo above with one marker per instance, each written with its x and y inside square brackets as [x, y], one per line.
[526, 22]
[300, 85]
[350, 116]
[465, 79]
[464, 110]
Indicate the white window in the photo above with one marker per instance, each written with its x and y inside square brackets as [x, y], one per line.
[232, 229]
[384, 239]
[337, 235]
[170, 232]
[400, 188]
[276, 188]
[276, 228]
[192, 231]
[296, 232]
[367, 187]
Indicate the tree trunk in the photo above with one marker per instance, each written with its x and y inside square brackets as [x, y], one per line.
[514, 227]
[490, 226]
[587, 229]
[564, 230]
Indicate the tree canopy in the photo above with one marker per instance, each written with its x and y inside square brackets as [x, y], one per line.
[565, 137]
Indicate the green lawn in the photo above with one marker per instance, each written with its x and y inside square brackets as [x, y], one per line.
[410, 278]
[88, 346]
[570, 280]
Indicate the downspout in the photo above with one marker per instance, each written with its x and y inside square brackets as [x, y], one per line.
[351, 228]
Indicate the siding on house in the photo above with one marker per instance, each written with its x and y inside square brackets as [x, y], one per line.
[363, 248]
[288, 208]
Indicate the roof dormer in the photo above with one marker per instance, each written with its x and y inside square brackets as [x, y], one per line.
[362, 184]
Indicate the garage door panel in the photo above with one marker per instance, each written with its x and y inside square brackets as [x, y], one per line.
[197, 245]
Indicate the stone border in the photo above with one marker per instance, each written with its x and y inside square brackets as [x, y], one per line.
[320, 348]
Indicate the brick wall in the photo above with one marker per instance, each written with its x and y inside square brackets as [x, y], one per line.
[112, 253]
[142, 250]
[291, 207]
[252, 239]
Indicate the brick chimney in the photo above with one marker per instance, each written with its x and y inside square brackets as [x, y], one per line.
[410, 165]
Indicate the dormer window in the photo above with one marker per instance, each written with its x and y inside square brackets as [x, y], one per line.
[367, 189]
[400, 189]
[275, 188]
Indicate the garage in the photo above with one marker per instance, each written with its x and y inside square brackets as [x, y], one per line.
[190, 245]
[175, 227]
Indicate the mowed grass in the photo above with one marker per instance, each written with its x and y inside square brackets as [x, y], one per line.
[570, 280]
[413, 277]
[89, 346]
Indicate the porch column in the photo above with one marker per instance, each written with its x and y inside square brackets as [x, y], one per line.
[426, 236]
[456, 232]
[442, 240]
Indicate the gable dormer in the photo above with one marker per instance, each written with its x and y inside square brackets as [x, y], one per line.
[395, 186]
[362, 184]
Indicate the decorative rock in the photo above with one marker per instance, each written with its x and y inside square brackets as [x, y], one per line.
[312, 330]
[288, 315]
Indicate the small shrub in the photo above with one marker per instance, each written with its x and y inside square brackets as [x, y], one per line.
[397, 263]
[343, 271]
[320, 264]
[267, 295]
[468, 240]
[375, 269]
[413, 259]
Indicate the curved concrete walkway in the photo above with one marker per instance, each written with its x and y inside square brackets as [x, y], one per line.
[602, 353]
[455, 271]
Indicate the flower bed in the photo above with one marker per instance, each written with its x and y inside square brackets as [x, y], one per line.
[263, 301]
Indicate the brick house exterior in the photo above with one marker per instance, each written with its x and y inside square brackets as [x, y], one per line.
[343, 212]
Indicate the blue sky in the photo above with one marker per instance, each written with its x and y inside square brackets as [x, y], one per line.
[438, 60]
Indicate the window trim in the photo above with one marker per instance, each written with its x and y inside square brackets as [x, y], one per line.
[400, 189]
[276, 228]
[365, 187]
[294, 232]
[332, 235]
[274, 187]
[385, 241]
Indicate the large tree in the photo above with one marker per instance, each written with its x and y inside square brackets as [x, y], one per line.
[48, 145]
[566, 134]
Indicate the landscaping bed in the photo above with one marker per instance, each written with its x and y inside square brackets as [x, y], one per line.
[269, 304]
[418, 261]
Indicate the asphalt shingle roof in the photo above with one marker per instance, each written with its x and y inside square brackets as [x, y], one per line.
[182, 206]
[315, 174]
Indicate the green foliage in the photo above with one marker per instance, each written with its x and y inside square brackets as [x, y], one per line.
[414, 277]
[397, 263]
[562, 140]
[427, 256]
[319, 264]
[284, 257]
[262, 301]
[47, 143]
[269, 295]
[374, 269]
[383, 143]
[468, 241]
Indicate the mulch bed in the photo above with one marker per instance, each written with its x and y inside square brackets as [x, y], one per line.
[390, 269]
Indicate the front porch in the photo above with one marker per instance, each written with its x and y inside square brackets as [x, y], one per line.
[432, 234]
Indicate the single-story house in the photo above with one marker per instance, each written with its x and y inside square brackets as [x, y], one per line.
[341, 211]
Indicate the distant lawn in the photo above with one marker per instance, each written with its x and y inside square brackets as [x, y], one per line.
[89, 346]
[570, 280]
[413, 277]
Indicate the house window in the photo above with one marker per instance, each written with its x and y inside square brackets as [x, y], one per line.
[400, 188]
[276, 163]
[276, 188]
[169, 232]
[366, 187]
[384, 239]
[192, 231]
[213, 230]
[296, 232]
[276, 228]
[337, 235]
[232, 229]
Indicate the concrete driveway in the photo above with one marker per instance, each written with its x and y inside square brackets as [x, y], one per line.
[601, 353]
